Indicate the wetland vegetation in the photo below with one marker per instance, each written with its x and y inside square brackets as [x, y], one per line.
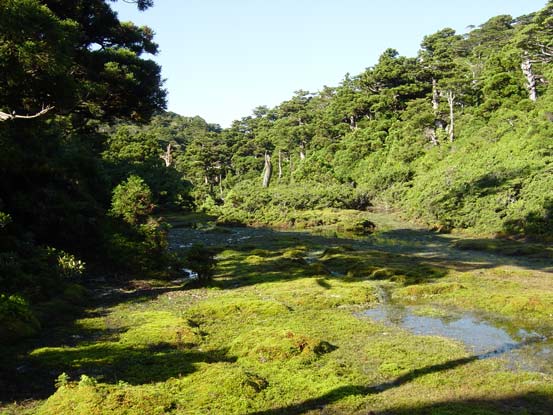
[306, 322]
[379, 247]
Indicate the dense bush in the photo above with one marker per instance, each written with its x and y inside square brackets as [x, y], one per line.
[489, 181]
[200, 260]
[132, 200]
[55, 184]
[249, 203]
[16, 319]
[130, 250]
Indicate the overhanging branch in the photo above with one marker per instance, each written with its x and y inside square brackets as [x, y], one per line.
[4, 116]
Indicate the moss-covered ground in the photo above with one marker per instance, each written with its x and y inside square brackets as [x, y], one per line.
[279, 331]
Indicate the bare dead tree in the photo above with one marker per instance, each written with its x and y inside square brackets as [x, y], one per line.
[267, 171]
[167, 157]
[302, 150]
[531, 82]
[451, 102]
[279, 165]
[430, 134]
[435, 96]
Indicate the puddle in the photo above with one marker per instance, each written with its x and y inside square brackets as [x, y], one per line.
[521, 349]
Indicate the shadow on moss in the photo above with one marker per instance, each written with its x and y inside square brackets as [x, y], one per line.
[112, 362]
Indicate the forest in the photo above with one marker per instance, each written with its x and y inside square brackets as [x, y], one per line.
[152, 262]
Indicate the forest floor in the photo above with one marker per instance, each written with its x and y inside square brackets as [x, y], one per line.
[401, 321]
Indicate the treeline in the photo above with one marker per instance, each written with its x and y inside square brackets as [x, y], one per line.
[458, 137]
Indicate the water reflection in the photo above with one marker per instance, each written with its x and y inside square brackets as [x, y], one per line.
[522, 349]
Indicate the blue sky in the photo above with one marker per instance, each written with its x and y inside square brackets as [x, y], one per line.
[222, 58]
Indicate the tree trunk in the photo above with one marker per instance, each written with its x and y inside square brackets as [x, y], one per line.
[279, 165]
[291, 169]
[430, 134]
[435, 96]
[451, 102]
[268, 171]
[352, 122]
[221, 187]
[526, 67]
[167, 157]
[435, 107]
[302, 151]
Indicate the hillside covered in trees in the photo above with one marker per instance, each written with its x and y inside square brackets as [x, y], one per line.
[457, 140]
[457, 137]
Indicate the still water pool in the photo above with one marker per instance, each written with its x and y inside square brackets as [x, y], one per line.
[483, 337]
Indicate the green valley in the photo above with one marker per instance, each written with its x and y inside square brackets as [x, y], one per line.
[383, 246]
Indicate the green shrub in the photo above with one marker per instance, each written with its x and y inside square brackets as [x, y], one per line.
[16, 319]
[135, 249]
[132, 200]
[66, 264]
[201, 260]
[249, 203]
[5, 219]
[37, 272]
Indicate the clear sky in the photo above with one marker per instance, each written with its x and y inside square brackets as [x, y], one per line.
[222, 58]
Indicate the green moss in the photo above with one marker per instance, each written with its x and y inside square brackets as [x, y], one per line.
[162, 328]
[513, 295]
[380, 266]
[265, 344]
[294, 253]
[279, 332]
[506, 247]
[254, 259]
[237, 308]
[262, 253]
[429, 311]
[429, 290]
